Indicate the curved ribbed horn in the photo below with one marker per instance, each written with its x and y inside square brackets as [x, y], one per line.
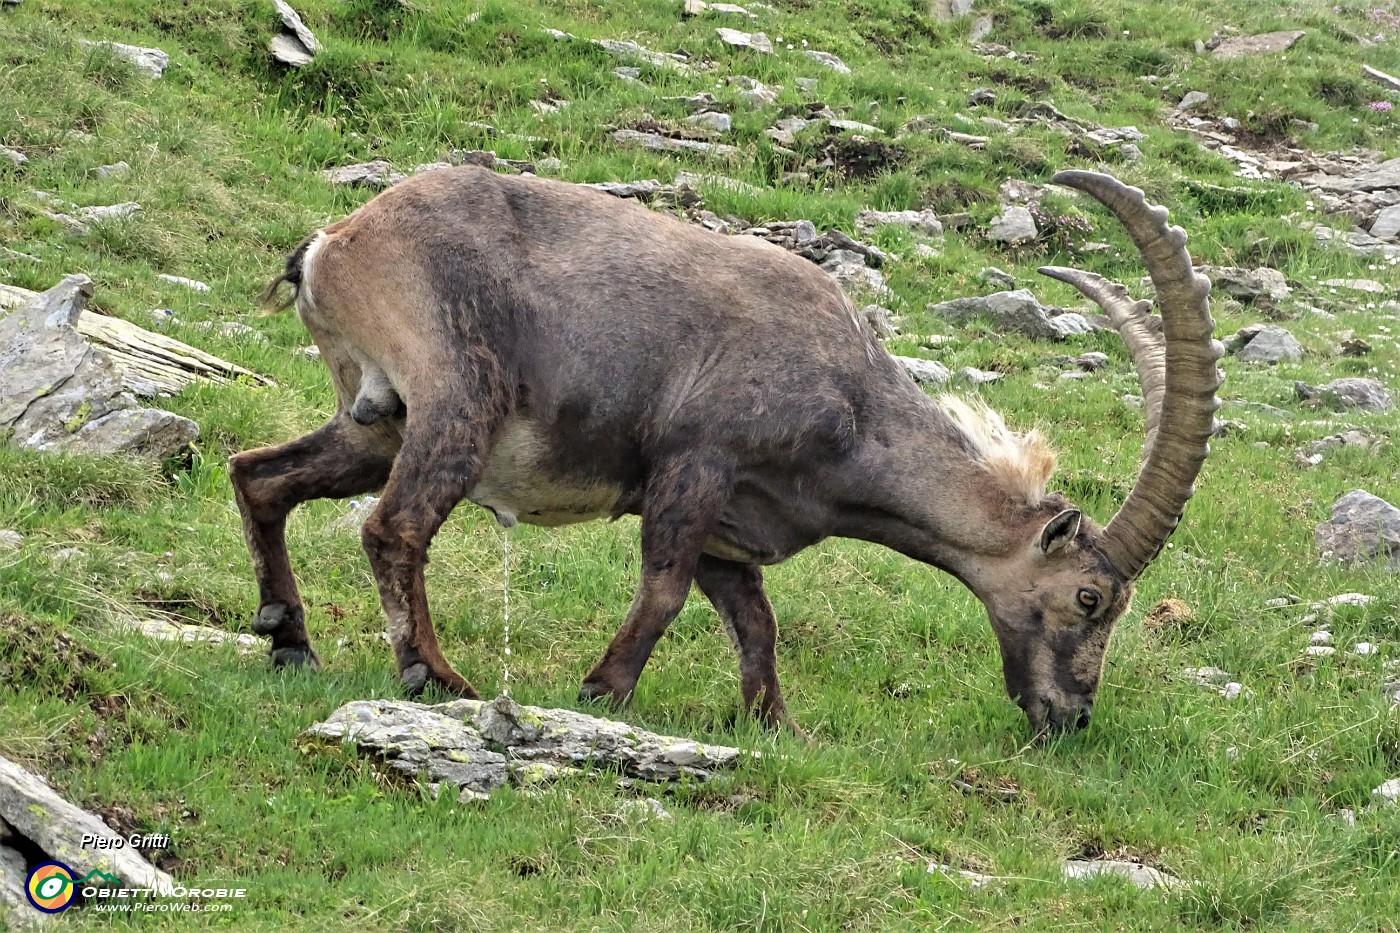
[1175, 359]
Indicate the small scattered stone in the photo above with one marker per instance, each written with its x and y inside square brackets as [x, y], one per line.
[828, 60]
[1267, 343]
[151, 62]
[191, 284]
[881, 320]
[926, 372]
[1362, 528]
[975, 880]
[10, 540]
[1355, 392]
[924, 251]
[925, 222]
[974, 376]
[745, 40]
[659, 143]
[116, 168]
[1013, 226]
[1320, 637]
[1370, 286]
[1319, 651]
[1207, 676]
[1248, 285]
[1141, 876]
[294, 45]
[354, 519]
[1385, 226]
[982, 97]
[376, 174]
[13, 155]
[1364, 648]
[1192, 100]
[1265, 43]
[1231, 691]
[996, 277]
[1388, 794]
[628, 73]
[712, 120]
[648, 809]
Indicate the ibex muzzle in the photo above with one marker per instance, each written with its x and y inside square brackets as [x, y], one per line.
[556, 355]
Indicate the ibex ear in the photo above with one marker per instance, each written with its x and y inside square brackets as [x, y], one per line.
[1060, 531]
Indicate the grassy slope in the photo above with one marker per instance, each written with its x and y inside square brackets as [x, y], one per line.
[891, 667]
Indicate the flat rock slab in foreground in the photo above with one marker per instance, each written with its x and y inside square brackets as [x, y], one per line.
[30, 809]
[478, 747]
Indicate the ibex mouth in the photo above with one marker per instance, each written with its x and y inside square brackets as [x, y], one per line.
[1048, 718]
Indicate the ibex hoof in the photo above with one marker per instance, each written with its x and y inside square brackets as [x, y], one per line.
[297, 656]
[416, 678]
[593, 690]
[270, 617]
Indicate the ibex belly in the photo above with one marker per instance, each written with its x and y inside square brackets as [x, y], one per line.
[520, 484]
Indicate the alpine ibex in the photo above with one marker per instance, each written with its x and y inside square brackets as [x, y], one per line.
[557, 355]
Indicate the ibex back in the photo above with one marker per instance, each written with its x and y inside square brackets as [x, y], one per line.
[556, 355]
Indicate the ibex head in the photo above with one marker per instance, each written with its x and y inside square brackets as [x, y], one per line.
[1053, 601]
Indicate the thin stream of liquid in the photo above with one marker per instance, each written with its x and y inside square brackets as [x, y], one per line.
[505, 609]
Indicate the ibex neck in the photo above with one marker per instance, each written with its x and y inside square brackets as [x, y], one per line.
[922, 492]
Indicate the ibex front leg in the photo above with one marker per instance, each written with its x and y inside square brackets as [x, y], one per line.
[683, 500]
[340, 459]
[442, 459]
[736, 592]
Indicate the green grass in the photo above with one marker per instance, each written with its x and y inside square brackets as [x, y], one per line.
[890, 666]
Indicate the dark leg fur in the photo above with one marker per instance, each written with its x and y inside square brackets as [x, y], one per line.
[678, 513]
[442, 459]
[736, 592]
[335, 461]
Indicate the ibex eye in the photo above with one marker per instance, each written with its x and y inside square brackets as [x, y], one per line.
[1088, 599]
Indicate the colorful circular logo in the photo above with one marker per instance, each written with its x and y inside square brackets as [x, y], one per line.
[51, 887]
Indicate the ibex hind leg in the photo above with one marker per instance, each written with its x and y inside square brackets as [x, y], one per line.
[340, 459]
[446, 439]
[678, 512]
[736, 592]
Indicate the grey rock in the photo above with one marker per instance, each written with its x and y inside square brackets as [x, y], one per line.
[754, 92]
[152, 62]
[1370, 286]
[745, 40]
[806, 85]
[1248, 285]
[924, 251]
[1141, 876]
[982, 97]
[626, 48]
[851, 270]
[1387, 794]
[1313, 454]
[10, 540]
[29, 808]
[881, 320]
[549, 166]
[1015, 311]
[659, 143]
[974, 376]
[475, 747]
[1267, 343]
[948, 10]
[925, 372]
[981, 27]
[712, 120]
[59, 393]
[854, 126]
[1386, 224]
[698, 182]
[628, 73]
[1091, 362]
[1072, 323]
[1013, 226]
[108, 171]
[1349, 393]
[1362, 528]
[925, 222]
[376, 174]
[1269, 43]
[13, 155]
[294, 45]
[994, 276]
[1192, 100]
[828, 60]
[105, 212]
[191, 284]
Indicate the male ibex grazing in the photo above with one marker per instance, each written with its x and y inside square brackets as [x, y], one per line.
[556, 355]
